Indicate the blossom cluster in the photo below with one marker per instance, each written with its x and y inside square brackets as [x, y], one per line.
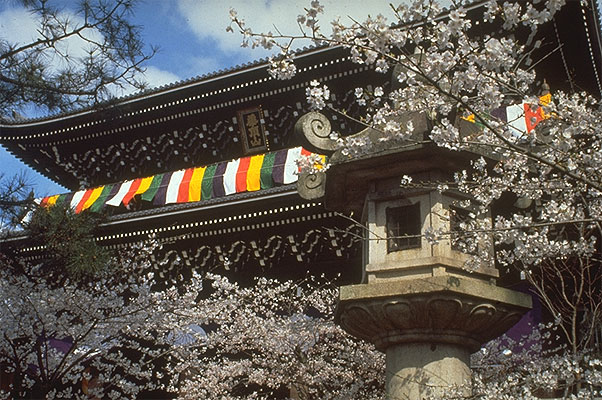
[531, 367]
[106, 337]
[125, 335]
[273, 339]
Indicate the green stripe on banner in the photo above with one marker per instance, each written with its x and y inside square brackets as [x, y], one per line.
[265, 175]
[100, 201]
[150, 193]
[60, 199]
[207, 184]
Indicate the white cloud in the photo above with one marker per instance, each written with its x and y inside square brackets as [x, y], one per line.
[153, 76]
[156, 77]
[208, 19]
[19, 26]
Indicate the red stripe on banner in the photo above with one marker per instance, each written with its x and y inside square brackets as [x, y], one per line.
[304, 153]
[132, 191]
[183, 190]
[44, 201]
[241, 174]
[85, 197]
[533, 117]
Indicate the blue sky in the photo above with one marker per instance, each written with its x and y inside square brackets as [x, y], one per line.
[192, 40]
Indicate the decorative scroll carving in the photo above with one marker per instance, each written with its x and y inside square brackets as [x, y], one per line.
[268, 252]
[314, 128]
[312, 186]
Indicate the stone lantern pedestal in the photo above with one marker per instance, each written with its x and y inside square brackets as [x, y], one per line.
[428, 327]
[418, 303]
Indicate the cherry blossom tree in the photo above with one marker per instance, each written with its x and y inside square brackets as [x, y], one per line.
[215, 339]
[121, 336]
[541, 178]
[275, 340]
[81, 323]
[108, 337]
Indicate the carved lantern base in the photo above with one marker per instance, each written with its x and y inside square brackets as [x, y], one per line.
[428, 327]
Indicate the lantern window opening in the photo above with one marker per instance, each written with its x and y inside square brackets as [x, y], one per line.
[403, 227]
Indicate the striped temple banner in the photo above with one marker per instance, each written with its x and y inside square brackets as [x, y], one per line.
[520, 118]
[246, 174]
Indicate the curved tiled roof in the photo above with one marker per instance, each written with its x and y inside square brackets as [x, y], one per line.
[221, 73]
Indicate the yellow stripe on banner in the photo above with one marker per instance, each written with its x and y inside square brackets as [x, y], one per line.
[93, 197]
[52, 200]
[144, 185]
[469, 118]
[322, 161]
[254, 173]
[196, 180]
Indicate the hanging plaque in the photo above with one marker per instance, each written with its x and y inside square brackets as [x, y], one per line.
[251, 126]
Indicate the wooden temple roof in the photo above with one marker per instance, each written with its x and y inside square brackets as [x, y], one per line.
[194, 124]
[197, 122]
[240, 113]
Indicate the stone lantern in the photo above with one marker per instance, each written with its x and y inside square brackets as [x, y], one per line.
[417, 302]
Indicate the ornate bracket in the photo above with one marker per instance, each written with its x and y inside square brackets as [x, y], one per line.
[314, 129]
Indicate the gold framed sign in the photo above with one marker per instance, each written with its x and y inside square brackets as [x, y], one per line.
[252, 131]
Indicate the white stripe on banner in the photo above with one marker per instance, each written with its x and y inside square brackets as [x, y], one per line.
[118, 198]
[230, 176]
[516, 119]
[290, 166]
[173, 187]
[77, 197]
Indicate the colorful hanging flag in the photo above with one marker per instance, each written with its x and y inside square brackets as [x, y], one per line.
[254, 173]
[265, 176]
[144, 185]
[184, 190]
[230, 176]
[161, 195]
[241, 174]
[131, 191]
[279, 162]
[94, 195]
[108, 191]
[261, 171]
[521, 118]
[77, 196]
[150, 193]
[290, 167]
[52, 200]
[207, 184]
[82, 202]
[218, 180]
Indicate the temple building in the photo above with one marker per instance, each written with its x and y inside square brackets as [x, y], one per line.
[135, 159]
[158, 139]
[232, 134]
[208, 167]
